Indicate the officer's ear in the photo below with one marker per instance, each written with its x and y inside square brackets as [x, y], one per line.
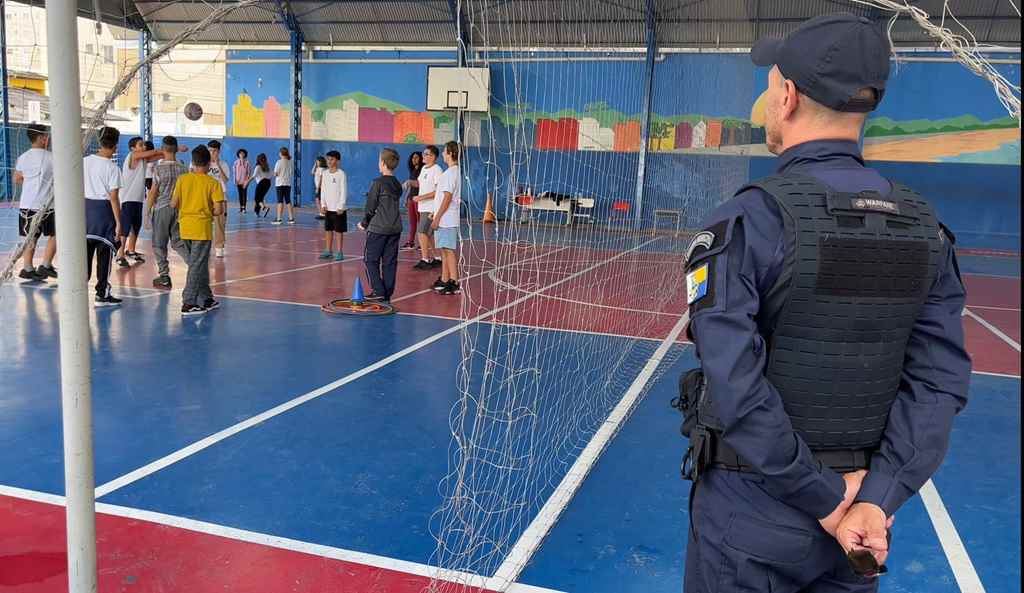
[790, 99]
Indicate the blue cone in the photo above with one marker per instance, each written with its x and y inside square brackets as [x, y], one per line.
[357, 291]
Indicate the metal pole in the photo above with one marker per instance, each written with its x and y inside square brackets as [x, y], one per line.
[5, 137]
[72, 295]
[645, 122]
[145, 88]
[296, 136]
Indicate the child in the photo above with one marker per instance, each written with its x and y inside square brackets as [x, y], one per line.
[262, 174]
[412, 185]
[243, 175]
[199, 200]
[446, 219]
[102, 212]
[219, 171]
[163, 219]
[429, 177]
[318, 170]
[333, 199]
[33, 171]
[284, 170]
[383, 225]
[131, 196]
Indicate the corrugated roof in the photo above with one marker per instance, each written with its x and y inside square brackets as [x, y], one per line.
[539, 22]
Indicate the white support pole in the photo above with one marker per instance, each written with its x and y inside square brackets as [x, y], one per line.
[72, 294]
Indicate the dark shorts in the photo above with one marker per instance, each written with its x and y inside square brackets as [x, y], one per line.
[131, 218]
[284, 194]
[423, 226]
[47, 227]
[336, 221]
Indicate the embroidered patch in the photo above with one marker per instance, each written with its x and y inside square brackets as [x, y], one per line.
[702, 239]
[697, 284]
[875, 204]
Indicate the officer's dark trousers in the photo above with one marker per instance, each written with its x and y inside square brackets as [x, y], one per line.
[744, 540]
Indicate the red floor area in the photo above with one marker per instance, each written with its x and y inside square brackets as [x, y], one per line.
[141, 557]
[992, 291]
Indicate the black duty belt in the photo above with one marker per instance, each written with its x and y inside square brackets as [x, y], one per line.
[841, 461]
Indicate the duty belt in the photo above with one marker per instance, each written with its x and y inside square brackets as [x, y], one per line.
[841, 461]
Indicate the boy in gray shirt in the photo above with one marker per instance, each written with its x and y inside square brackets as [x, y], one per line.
[163, 218]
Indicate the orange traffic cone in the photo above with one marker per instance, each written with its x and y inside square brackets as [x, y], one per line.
[489, 217]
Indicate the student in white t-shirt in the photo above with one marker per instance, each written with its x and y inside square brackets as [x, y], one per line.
[33, 171]
[430, 175]
[102, 212]
[333, 204]
[446, 218]
[284, 170]
[219, 170]
[132, 197]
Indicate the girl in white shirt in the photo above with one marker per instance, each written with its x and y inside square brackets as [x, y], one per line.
[284, 170]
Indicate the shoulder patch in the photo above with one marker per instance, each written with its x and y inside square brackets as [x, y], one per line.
[697, 284]
[703, 239]
[709, 241]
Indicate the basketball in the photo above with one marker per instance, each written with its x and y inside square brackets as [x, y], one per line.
[193, 111]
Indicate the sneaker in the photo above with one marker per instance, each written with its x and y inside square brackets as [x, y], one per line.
[439, 285]
[339, 256]
[123, 262]
[137, 257]
[326, 254]
[218, 252]
[276, 221]
[292, 221]
[422, 265]
[188, 310]
[107, 301]
[211, 304]
[46, 271]
[408, 247]
[31, 275]
[162, 282]
[374, 298]
[452, 288]
[435, 264]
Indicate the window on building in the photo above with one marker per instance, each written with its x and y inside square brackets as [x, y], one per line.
[108, 53]
[90, 49]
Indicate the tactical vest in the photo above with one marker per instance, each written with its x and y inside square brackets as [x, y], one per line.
[857, 270]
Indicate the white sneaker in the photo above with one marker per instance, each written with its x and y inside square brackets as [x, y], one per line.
[218, 252]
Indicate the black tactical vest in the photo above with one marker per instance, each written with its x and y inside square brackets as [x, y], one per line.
[857, 269]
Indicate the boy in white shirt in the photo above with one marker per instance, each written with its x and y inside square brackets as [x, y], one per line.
[219, 171]
[33, 171]
[429, 177]
[446, 219]
[132, 196]
[102, 212]
[333, 201]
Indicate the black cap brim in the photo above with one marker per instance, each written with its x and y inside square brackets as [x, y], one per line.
[766, 52]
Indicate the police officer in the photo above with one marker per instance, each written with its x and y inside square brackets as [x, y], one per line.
[825, 307]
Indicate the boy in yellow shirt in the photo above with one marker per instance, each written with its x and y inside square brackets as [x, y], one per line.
[198, 198]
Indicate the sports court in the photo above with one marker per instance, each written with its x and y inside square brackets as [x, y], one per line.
[516, 437]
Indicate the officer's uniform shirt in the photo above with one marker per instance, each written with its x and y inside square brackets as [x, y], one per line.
[734, 355]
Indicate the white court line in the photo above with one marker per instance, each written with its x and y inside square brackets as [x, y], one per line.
[963, 569]
[531, 539]
[988, 308]
[507, 286]
[278, 273]
[1004, 375]
[271, 541]
[995, 330]
[215, 438]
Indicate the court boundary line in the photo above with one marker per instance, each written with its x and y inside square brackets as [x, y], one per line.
[949, 538]
[995, 330]
[271, 541]
[225, 433]
[535, 534]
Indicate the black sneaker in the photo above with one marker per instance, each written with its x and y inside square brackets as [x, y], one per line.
[137, 257]
[162, 282]
[189, 310]
[123, 262]
[435, 264]
[439, 284]
[107, 301]
[422, 265]
[211, 304]
[46, 271]
[31, 275]
[374, 298]
[452, 288]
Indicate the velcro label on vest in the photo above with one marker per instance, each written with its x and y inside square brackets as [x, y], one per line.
[875, 204]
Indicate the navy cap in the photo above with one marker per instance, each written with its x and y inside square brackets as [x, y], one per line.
[830, 59]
